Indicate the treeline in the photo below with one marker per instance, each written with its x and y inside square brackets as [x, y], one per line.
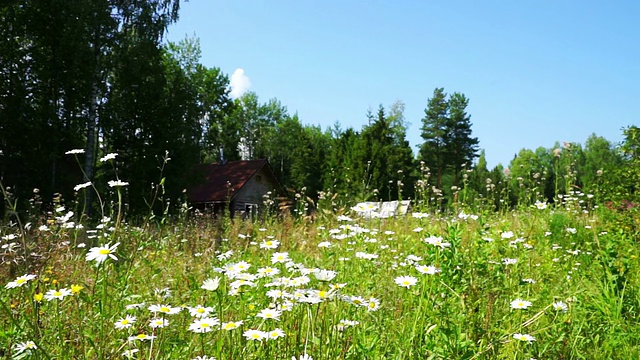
[98, 76]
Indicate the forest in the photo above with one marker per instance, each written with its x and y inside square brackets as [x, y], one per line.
[99, 77]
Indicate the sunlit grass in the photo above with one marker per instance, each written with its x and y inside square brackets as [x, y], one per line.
[539, 283]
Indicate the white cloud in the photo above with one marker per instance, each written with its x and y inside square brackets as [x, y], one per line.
[240, 83]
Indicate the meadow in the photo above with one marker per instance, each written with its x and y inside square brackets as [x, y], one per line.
[540, 282]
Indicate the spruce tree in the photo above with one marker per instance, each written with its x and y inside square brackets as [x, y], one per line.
[433, 150]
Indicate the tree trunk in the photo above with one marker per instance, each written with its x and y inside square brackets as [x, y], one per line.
[90, 147]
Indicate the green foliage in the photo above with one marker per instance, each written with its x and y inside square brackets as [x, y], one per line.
[448, 148]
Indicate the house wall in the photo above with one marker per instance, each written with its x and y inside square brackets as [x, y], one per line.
[253, 190]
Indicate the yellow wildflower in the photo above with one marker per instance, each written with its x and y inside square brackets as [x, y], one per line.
[76, 288]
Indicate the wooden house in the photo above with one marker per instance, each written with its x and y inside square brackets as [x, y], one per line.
[243, 186]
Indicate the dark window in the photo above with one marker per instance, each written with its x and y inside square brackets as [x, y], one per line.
[250, 211]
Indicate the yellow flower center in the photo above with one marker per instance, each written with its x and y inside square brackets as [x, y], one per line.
[165, 309]
[200, 311]
[230, 326]
[57, 293]
[124, 322]
[269, 243]
[104, 251]
[141, 336]
[204, 325]
[21, 281]
[255, 336]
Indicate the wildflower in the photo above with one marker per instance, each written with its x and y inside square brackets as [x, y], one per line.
[275, 294]
[125, 323]
[344, 218]
[225, 255]
[108, 157]
[101, 253]
[200, 311]
[57, 294]
[165, 309]
[253, 334]
[269, 244]
[163, 293]
[276, 333]
[117, 183]
[269, 314]
[203, 357]
[363, 255]
[437, 241]
[204, 325]
[74, 152]
[541, 205]
[520, 304]
[21, 280]
[240, 266]
[75, 289]
[524, 337]
[130, 353]
[38, 297]
[345, 324]
[280, 257]
[428, 270]
[507, 235]
[324, 244]
[325, 275]
[530, 281]
[231, 325]
[81, 186]
[302, 357]
[268, 271]
[241, 282]
[373, 304]
[141, 337]
[406, 281]
[560, 306]
[134, 306]
[508, 261]
[25, 346]
[158, 323]
[211, 284]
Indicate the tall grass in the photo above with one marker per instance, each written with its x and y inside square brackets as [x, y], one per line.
[542, 282]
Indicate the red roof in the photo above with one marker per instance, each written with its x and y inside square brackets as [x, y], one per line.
[220, 182]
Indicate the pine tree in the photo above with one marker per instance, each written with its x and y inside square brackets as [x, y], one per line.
[462, 147]
[434, 133]
[446, 129]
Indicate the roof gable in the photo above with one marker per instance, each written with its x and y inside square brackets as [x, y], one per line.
[221, 182]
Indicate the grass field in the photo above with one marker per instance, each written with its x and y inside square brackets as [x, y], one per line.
[539, 283]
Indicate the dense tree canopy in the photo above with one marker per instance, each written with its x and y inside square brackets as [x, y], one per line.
[98, 76]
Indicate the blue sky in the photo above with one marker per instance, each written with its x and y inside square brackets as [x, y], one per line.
[536, 72]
